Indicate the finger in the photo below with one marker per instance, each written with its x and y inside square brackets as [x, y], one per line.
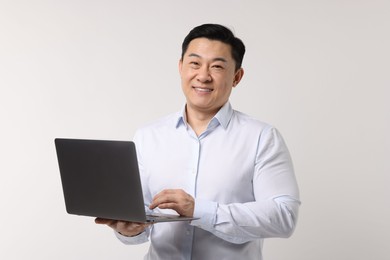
[130, 228]
[104, 221]
[167, 192]
[163, 200]
[173, 206]
[176, 196]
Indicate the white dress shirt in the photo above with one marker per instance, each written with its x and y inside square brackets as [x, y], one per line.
[240, 173]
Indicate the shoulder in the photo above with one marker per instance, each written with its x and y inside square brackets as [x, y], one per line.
[249, 126]
[249, 122]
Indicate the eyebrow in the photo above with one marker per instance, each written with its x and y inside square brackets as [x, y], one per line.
[215, 59]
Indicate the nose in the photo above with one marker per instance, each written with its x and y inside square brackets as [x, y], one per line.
[203, 74]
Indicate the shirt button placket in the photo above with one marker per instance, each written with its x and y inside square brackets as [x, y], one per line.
[195, 165]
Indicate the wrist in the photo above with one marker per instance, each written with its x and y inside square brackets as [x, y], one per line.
[130, 235]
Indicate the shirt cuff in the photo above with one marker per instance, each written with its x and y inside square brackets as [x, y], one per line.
[135, 240]
[206, 211]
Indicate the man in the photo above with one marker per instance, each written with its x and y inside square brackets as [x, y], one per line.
[209, 161]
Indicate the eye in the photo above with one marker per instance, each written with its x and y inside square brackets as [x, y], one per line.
[194, 64]
[217, 66]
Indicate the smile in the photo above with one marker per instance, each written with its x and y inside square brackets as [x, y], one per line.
[203, 89]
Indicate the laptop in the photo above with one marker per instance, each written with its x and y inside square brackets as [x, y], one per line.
[100, 178]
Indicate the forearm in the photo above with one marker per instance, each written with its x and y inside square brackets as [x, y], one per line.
[134, 240]
[243, 222]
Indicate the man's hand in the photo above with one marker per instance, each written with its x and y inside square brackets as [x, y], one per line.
[178, 200]
[125, 228]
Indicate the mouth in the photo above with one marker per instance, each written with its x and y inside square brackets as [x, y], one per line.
[203, 90]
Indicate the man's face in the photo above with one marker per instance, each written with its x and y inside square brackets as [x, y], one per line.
[208, 75]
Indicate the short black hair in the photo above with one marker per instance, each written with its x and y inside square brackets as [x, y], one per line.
[219, 33]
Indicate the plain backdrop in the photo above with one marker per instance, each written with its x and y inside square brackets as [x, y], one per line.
[317, 70]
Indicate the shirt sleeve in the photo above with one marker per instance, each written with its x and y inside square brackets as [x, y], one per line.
[274, 211]
[135, 240]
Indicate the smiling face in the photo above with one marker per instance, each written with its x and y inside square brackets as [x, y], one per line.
[208, 75]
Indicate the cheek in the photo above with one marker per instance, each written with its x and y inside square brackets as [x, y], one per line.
[225, 90]
[224, 80]
[224, 84]
[186, 76]
[185, 83]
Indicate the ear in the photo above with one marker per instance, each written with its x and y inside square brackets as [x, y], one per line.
[180, 65]
[238, 76]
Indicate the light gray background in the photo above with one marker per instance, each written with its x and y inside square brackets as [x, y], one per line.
[317, 70]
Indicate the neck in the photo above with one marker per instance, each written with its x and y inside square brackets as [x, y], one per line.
[198, 120]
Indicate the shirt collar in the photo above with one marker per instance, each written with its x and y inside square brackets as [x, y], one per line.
[222, 117]
[181, 117]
